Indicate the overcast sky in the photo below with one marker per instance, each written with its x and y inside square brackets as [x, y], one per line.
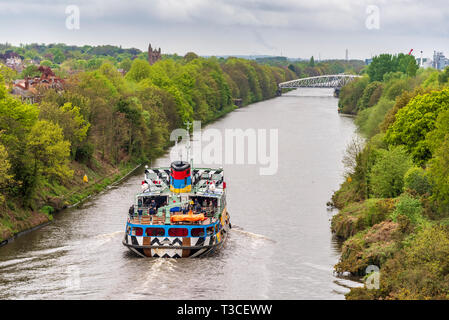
[293, 28]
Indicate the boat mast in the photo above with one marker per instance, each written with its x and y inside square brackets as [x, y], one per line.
[188, 147]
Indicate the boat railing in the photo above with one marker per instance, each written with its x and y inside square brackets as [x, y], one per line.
[154, 219]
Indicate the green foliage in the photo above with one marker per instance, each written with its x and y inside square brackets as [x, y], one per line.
[443, 77]
[351, 94]
[369, 120]
[69, 118]
[30, 72]
[49, 151]
[410, 207]
[419, 271]
[417, 180]
[387, 174]
[5, 177]
[415, 120]
[373, 246]
[360, 216]
[8, 74]
[386, 63]
[371, 95]
[312, 62]
[140, 69]
[439, 173]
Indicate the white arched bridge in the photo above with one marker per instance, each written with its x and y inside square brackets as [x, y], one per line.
[335, 81]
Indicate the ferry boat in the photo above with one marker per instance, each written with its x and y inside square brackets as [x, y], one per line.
[180, 213]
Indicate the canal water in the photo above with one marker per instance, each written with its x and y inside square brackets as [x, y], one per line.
[280, 246]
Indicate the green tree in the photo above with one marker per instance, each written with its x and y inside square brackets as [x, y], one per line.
[48, 151]
[8, 74]
[415, 120]
[312, 62]
[126, 64]
[5, 177]
[140, 69]
[68, 117]
[381, 65]
[31, 72]
[387, 174]
[416, 179]
[443, 77]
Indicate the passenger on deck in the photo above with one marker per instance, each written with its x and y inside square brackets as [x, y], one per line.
[131, 210]
[153, 207]
[197, 206]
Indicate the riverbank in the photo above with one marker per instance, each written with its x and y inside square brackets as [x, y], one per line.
[394, 201]
[17, 221]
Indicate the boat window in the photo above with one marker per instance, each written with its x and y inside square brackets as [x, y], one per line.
[137, 231]
[205, 176]
[197, 232]
[155, 232]
[210, 231]
[177, 232]
[216, 177]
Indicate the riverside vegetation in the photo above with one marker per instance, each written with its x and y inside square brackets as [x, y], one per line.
[103, 123]
[394, 203]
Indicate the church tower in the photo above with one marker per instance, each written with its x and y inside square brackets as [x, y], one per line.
[153, 55]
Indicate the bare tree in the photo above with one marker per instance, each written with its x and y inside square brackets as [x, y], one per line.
[352, 150]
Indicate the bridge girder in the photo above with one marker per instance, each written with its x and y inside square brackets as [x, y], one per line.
[328, 81]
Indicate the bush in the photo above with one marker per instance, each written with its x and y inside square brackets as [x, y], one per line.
[84, 153]
[416, 180]
[359, 216]
[387, 174]
[419, 271]
[409, 207]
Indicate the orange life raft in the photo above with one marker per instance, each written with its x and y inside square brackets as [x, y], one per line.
[190, 217]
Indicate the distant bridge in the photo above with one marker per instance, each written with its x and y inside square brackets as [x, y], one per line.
[335, 81]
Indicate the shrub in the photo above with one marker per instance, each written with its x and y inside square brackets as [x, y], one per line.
[409, 207]
[387, 174]
[416, 180]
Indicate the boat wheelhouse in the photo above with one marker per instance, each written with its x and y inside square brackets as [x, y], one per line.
[181, 212]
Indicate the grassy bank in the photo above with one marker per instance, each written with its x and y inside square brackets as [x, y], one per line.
[53, 197]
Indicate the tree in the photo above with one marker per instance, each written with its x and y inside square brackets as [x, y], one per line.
[68, 117]
[381, 65]
[8, 74]
[443, 77]
[5, 166]
[387, 174]
[126, 64]
[415, 120]
[140, 69]
[312, 62]
[48, 151]
[31, 71]
[189, 56]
